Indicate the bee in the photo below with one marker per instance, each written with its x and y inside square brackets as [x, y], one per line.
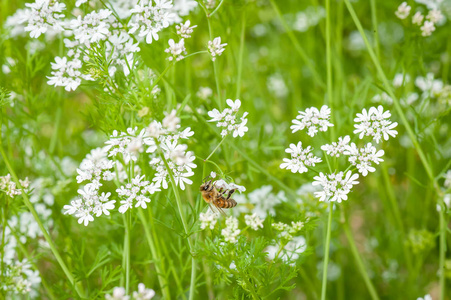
[220, 198]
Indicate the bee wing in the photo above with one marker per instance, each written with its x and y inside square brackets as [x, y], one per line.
[217, 208]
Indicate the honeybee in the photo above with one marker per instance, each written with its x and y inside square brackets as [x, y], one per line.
[220, 198]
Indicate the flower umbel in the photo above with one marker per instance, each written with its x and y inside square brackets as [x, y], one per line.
[336, 187]
[301, 158]
[312, 119]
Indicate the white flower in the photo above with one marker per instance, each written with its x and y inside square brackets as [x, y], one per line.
[184, 30]
[204, 92]
[45, 14]
[312, 119]
[176, 49]
[216, 48]
[417, 18]
[150, 19]
[253, 221]
[435, 16]
[426, 297]
[300, 158]
[143, 293]
[403, 11]
[363, 157]
[336, 148]
[262, 201]
[118, 294]
[183, 7]
[400, 79]
[375, 123]
[336, 187]
[208, 219]
[231, 231]
[290, 252]
[427, 28]
[228, 120]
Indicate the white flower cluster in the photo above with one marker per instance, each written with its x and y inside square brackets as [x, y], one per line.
[10, 188]
[300, 158]
[142, 293]
[287, 231]
[227, 119]
[253, 221]
[216, 48]
[177, 50]
[447, 183]
[208, 219]
[375, 123]
[427, 24]
[231, 231]
[150, 18]
[20, 279]
[184, 29]
[336, 187]
[125, 147]
[336, 148]
[363, 157]
[291, 250]
[403, 11]
[312, 119]
[260, 201]
[137, 191]
[44, 14]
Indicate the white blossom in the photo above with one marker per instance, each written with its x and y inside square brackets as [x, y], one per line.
[231, 231]
[312, 119]
[363, 157]
[228, 120]
[184, 29]
[216, 48]
[208, 219]
[428, 28]
[253, 221]
[176, 50]
[149, 18]
[301, 158]
[336, 187]
[44, 14]
[403, 11]
[417, 18]
[143, 293]
[375, 123]
[435, 16]
[336, 148]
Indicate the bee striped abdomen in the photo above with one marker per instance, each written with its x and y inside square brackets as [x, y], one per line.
[225, 203]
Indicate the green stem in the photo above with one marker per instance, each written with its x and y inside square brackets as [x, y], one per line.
[375, 29]
[326, 252]
[359, 261]
[156, 256]
[329, 67]
[126, 253]
[26, 200]
[216, 9]
[443, 227]
[185, 225]
[240, 55]
[4, 223]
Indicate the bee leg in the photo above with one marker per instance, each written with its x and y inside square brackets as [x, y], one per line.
[230, 194]
[212, 186]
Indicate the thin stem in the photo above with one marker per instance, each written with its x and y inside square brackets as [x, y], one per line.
[329, 66]
[216, 9]
[326, 252]
[240, 55]
[375, 29]
[4, 223]
[26, 200]
[443, 227]
[359, 262]
[185, 226]
[155, 255]
[126, 252]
